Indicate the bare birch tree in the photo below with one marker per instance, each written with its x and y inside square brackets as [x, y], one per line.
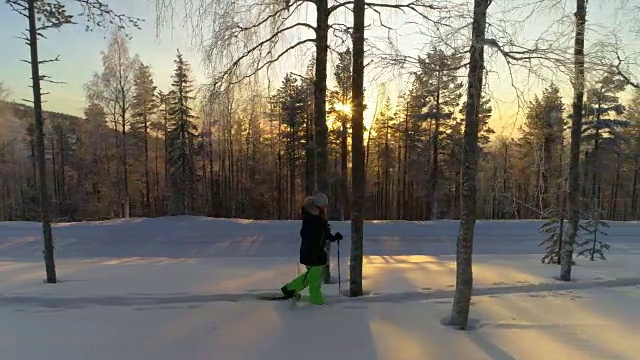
[114, 88]
[464, 272]
[573, 195]
[358, 157]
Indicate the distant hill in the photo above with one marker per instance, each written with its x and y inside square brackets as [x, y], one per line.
[25, 112]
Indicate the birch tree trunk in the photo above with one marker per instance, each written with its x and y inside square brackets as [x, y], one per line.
[357, 138]
[320, 110]
[573, 196]
[464, 272]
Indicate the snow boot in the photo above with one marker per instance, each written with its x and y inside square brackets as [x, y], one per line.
[288, 294]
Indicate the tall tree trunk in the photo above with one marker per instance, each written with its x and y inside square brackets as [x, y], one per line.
[223, 178]
[292, 175]
[49, 261]
[613, 203]
[573, 196]
[386, 182]
[464, 272]
[212, 190]
[634, 190]
[595, 171]
[157, 178]
[165, 202]
[126, 206]
[357, 138]
[310, 158]
[320, 111]
[344, 176]
[279, 167]
[404, 201]
[34, 163]
[232, 167]
[54, 171]
[147, 185]
[399, 199]
[320, 95]
[433, 188]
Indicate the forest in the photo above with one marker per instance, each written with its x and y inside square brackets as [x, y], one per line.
[248, 151]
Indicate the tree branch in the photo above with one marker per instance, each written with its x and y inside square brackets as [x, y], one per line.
[100, 14]
[616, 70]
[540, 213]
[56, 59]
[519, 55]
[270, 39]
[260, 67]
[18, 7]
[272, 16]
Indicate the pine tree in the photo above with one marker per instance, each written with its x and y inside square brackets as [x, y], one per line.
[290, 105]
[631, 150]
[602, 133]
[340, 109]
[384, 156]
[437, 93]
[541, 149]
[143, 108]
[181, 139]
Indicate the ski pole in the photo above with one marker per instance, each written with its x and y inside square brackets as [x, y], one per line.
[339, 279]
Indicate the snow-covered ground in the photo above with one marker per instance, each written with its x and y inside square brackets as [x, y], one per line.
[181, 288]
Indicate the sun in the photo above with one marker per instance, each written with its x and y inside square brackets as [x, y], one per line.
[344, 108]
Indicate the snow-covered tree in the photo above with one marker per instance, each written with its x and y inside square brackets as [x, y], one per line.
[114, 89]
[181, 138]
[144, 106]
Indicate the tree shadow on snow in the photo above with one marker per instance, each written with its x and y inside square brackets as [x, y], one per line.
[79, 302]
[344, 332]
[539, 320]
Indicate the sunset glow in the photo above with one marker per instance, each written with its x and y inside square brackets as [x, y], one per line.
[344, 108]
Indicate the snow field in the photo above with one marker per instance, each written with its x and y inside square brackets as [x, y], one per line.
[180, 288]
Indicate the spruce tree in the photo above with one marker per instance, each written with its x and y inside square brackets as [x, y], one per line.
[144, 106]
[439, 92]
[555, 229]
[291, 103]
[541, 148]
[181, 139]
[590, 245]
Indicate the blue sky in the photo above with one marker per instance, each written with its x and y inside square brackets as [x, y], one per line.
[80, 56]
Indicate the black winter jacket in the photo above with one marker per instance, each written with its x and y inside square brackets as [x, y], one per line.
[315, 233]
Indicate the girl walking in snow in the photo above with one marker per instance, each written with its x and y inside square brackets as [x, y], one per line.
[314, 234]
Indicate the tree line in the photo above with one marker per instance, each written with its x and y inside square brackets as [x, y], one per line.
[144, 151]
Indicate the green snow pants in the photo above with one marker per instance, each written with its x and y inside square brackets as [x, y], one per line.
[311, 278]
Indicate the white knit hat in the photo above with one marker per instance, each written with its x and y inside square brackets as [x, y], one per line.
[320, 199]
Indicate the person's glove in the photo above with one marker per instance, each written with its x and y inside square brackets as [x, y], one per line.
[338, 236]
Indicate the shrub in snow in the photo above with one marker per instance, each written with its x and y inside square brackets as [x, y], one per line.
[590, 244]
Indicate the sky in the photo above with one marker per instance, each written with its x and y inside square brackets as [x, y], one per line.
[80, 56]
